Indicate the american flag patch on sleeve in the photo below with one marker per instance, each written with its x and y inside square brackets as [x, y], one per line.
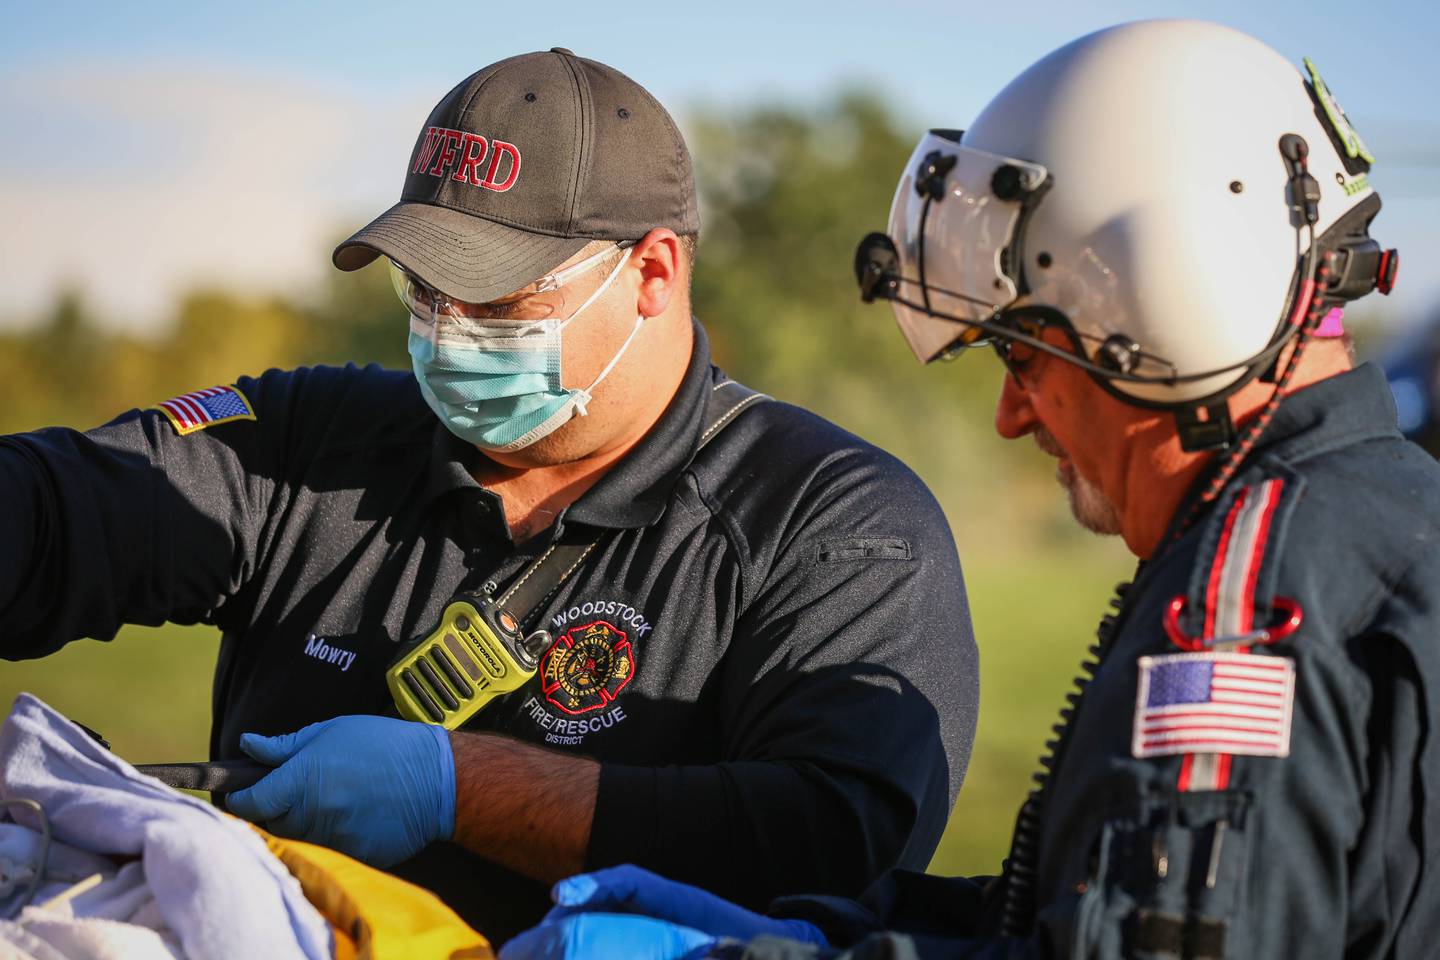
[205, 408]
[1235, 703]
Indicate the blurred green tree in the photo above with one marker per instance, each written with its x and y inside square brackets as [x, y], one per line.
[56, 367]
[357, 318]
[785, 197]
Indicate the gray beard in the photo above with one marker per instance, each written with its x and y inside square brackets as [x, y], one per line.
[1088, 504]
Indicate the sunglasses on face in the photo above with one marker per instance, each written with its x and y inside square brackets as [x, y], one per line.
[1017, 354]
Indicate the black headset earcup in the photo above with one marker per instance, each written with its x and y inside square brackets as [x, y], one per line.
[1118, 354]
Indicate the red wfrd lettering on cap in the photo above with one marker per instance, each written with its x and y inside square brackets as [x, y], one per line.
[471, 153]
[449, 140]
[460, 155]
[427, 149]
[502, 149]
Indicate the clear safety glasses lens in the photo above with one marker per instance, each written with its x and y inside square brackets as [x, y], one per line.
[425, 301]
[1014, 353]
[953, 218]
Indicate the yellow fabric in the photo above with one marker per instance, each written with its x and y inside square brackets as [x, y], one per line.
[376, 916]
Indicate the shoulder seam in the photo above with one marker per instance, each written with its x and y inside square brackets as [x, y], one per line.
[732, 533]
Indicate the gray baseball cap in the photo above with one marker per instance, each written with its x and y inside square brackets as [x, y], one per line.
[522, 165]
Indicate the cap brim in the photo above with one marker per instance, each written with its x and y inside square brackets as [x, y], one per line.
[466, 257]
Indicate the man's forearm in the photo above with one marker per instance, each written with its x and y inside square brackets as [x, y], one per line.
[522, 806]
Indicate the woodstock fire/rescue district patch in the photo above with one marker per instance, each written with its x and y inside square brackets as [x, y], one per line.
[206, 408]
[587, 667]
[585, 670]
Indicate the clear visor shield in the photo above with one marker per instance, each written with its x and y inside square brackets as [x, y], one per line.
[953, 222]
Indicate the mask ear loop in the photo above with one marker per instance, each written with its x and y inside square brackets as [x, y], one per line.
[599, 290]
[582, 397]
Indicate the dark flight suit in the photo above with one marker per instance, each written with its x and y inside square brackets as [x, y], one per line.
[1331, 849]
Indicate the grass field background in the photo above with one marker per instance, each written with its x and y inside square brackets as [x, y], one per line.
[148, 691]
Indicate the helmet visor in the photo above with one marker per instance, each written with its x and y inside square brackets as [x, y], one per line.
[954, 223]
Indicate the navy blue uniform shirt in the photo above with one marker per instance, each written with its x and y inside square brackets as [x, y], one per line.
[790, 684]
[1331, 850]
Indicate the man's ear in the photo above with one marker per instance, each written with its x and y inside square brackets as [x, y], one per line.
[658, 257]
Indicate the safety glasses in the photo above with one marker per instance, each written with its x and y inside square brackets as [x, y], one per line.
[1015, 354]
[1017, 335]
[423, 300]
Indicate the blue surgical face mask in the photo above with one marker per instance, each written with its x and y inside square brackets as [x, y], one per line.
[496, 383]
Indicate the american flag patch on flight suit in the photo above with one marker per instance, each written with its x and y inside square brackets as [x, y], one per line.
[205, 408]
[1234, 703]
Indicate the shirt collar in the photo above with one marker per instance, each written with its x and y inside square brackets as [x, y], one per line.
[1336, 412]
[635, 491]
[452, 462]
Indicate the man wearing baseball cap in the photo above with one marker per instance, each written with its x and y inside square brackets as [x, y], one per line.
[756, 670]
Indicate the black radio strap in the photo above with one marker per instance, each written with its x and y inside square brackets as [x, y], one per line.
[538, 582]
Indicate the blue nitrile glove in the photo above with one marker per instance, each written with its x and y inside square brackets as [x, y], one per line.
[375, 788]
[630, 889]
[608, 936]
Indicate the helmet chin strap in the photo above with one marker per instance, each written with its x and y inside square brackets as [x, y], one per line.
[1205, 428]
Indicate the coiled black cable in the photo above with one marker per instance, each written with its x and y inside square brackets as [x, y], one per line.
[1017, 911]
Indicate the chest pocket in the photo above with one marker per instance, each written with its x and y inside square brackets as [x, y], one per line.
[1166, 881]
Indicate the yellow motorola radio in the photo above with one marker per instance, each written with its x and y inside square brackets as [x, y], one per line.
[474, 655]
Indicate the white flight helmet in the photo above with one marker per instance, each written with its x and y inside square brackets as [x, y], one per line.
[1137, 186]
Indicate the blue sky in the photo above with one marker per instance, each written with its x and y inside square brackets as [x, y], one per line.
[164, 92]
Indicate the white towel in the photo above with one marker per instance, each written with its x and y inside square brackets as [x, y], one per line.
[84, 907]
[213, 881]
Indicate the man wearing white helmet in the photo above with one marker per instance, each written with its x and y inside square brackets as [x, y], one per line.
[1156, 227]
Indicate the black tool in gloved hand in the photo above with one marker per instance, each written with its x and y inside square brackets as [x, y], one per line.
[221, 776]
